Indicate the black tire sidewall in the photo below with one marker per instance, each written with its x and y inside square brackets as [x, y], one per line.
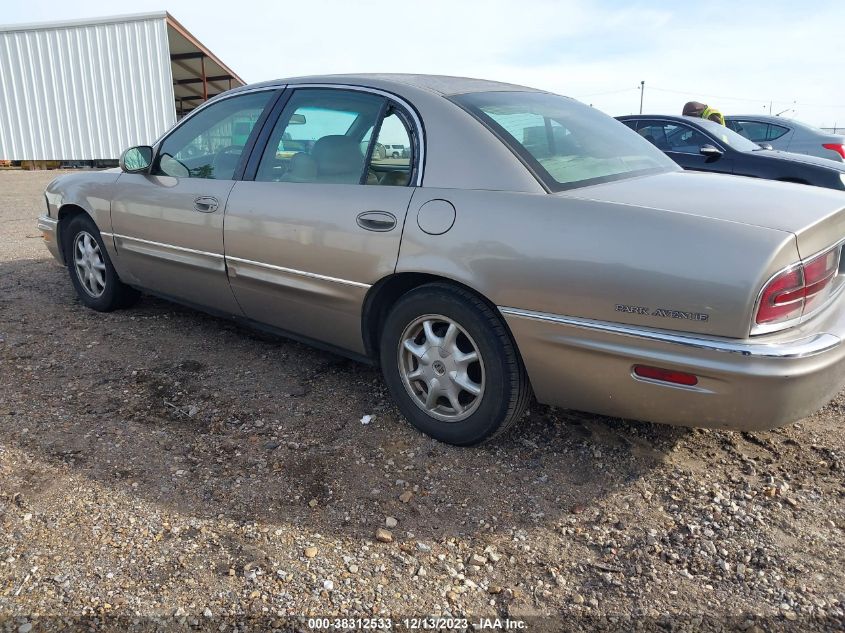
[112, 297]
[498, 389]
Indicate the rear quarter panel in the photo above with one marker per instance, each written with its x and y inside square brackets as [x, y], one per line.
[584, 258]
[813, 145]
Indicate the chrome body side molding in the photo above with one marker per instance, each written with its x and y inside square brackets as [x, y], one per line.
[809, 346]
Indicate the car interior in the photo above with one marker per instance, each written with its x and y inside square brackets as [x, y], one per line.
[320, 137]
[331, 142]
[674, 138]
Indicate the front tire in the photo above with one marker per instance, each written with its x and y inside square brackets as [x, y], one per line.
[91, 272]
[451, 365]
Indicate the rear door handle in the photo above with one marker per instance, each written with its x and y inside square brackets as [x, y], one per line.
[376, 221]
[206, 204]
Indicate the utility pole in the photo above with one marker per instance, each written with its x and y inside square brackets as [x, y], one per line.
[642, 92]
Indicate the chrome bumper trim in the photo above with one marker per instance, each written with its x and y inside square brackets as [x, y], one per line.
[801, 348]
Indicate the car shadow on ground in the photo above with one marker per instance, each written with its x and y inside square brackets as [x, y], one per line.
[206, 418]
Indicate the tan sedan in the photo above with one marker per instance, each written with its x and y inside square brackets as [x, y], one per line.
[526, 243]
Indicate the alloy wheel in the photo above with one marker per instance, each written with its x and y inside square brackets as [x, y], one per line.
[441, 368]
[89, 264]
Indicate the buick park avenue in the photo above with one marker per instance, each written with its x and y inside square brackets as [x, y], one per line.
[524, 243]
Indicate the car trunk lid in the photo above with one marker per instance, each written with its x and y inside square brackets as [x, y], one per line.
[816, 216]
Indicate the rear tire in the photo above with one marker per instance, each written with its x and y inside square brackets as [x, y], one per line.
[451, 365]
[91, 272]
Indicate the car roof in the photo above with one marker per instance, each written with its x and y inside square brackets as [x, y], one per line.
[665, 117]
[443, 85]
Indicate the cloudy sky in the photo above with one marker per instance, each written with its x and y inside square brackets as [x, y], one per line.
[738, 56]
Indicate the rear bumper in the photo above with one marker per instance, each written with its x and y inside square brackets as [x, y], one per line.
[49, 231]
[754, 384]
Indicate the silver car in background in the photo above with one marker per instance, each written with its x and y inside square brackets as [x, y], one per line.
[788, 135]
[527, 243]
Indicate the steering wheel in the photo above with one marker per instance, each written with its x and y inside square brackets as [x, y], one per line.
[230, 150]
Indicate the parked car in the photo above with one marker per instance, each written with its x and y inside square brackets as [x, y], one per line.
[590, 270]
[396, 151]
[702, 145]
[788, 135]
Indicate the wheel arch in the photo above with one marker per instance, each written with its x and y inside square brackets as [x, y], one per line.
[66, 213]
[383, 295]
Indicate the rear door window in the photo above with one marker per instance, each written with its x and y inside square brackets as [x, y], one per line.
[321, 136]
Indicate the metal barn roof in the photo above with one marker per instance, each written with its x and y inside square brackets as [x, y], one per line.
[88, 89]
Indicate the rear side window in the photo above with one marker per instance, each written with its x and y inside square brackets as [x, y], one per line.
[758, 131]
[776, 131]
[390, 163]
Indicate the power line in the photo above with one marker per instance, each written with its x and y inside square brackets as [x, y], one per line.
[763, 101]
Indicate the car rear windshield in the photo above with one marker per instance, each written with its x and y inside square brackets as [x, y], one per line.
[565, 143]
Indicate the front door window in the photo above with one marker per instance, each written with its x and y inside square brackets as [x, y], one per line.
[671, 137]
[210, 144]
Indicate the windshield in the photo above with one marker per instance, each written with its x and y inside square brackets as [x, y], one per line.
[727, 135]
[565, 143]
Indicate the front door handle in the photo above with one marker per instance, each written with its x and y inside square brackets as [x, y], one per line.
[206, 204]
[376, 221]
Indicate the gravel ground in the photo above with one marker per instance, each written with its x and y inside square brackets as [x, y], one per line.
[163, 469]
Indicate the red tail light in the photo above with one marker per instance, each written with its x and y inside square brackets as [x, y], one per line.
[839, 148]
[783, 297]
[665, 375]
[798, 290]
[818, 277]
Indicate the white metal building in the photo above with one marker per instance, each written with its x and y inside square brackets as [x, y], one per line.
[87, 90]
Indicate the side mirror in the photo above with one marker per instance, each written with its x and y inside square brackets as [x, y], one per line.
[136, 159]
[710, 151]
[765, 145]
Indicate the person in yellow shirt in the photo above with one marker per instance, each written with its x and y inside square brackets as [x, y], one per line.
[696, 109]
